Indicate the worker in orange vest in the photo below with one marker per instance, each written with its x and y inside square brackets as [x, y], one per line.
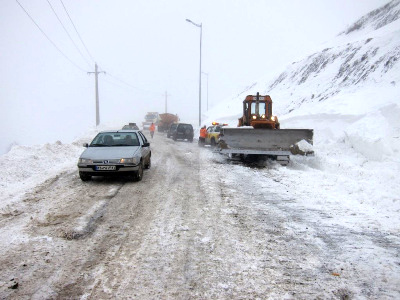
[203, 135]
[152, 129]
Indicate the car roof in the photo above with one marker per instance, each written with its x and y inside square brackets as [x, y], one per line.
[120, 130]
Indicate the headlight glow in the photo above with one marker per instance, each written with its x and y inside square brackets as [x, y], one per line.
[273, 118]
[127, 160]
[254, 117]
[263, 116]
[85, 161]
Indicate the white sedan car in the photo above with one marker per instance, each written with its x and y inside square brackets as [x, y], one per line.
[125, 152]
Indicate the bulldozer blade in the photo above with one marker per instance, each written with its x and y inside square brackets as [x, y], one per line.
[262, 141]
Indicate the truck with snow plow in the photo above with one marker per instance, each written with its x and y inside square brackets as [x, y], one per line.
[166, 120]
[259, 134]
[150, 117]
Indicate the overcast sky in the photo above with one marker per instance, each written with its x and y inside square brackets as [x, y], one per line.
[146, 48]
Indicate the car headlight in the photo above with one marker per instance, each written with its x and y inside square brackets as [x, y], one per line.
[262, 116]
[254, 117]
[128, 160]
[273, 118]
[85, 161]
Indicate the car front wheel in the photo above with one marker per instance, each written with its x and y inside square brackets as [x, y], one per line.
[139, 173]
[84, 176]
[148, 165]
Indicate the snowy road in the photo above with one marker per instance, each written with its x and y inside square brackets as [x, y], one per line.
[194, 228]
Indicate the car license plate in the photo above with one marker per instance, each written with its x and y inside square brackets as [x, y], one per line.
[105, 168]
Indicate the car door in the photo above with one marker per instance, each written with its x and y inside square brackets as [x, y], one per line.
[209, 130]
[145, 150]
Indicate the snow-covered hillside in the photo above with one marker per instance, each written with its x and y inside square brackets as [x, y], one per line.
[349, 93]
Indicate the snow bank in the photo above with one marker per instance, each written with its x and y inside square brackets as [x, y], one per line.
[25, 167]
[369, 136]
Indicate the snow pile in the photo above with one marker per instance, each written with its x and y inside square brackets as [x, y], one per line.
[375, 136]
[25, 167]
[305, 147]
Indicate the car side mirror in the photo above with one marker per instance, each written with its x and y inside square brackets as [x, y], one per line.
[85, 145]
[146, 145]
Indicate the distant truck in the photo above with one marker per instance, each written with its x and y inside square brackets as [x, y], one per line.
[151, 117]
[166, 120]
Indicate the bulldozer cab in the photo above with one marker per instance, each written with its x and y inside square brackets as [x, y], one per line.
[257, 112]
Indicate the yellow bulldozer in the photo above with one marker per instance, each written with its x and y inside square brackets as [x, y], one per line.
[259, 133]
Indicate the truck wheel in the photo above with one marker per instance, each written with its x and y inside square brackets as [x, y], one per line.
[84, 176]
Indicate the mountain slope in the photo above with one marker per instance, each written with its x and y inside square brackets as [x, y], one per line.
[348, 91]
[349, 94]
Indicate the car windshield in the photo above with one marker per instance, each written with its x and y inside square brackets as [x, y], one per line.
[114, 139]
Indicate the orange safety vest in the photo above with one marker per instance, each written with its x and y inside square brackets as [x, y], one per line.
[203, 133]
[152, 127]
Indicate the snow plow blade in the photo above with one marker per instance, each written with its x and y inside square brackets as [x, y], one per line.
[274, 142]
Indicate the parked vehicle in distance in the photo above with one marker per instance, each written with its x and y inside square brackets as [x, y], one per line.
[115, 152]
[130, 126]
[213, 134]
[183, 131]
[171, 129]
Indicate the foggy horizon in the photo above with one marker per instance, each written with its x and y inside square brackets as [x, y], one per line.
[146, 49]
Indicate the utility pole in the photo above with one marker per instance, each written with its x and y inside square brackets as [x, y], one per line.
[201, 33]
[207, 87]
[96, 79]
[166, 101]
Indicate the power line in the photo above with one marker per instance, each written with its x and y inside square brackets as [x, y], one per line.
[83, 43]
[65, 29]
[59, 50]
[130, 85]
[126, 85]
[114, 77]
[115, 84]
[76, 30]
